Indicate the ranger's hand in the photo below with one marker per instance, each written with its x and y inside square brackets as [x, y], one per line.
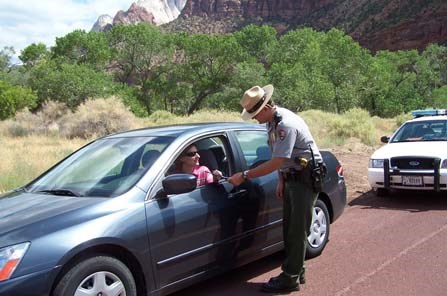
[280, 190]
[236, 179]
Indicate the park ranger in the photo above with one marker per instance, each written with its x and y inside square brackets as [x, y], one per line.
[294, 156]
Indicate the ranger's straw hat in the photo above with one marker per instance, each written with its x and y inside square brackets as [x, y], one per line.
[254, 100]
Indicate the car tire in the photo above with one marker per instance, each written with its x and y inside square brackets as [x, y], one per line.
[319, 230]
[99, 275]
[382, 192]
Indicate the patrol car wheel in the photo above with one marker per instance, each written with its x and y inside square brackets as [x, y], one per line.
[319, 230]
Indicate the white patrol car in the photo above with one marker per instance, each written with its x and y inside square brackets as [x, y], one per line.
[415, 156]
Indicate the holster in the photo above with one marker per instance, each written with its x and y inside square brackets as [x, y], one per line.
[318, 172]
[303, 176]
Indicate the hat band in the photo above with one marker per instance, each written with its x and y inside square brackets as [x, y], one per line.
[257, 105]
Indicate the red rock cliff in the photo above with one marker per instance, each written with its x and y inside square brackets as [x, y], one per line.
[376, 24]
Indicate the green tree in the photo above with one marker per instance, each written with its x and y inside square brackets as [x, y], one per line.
[34, 54]
[258, 42]
[207, 65]
[377, 88]
[397, 83]
[80, 47]
[297, 71]
[344, 64]
[14, 98]
[71, 84]
[141, 54]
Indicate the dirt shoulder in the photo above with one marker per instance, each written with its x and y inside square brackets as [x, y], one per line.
[354, 157]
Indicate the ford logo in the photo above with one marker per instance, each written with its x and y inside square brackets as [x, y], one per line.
[414, 163]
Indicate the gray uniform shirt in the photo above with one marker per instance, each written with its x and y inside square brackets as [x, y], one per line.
[290, 138]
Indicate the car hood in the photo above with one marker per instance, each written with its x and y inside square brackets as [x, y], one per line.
[428, 149]
[18, 210]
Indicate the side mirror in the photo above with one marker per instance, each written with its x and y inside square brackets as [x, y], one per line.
[179, 183]
[384, 139]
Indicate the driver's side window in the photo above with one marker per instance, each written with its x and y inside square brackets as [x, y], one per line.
[202, 159]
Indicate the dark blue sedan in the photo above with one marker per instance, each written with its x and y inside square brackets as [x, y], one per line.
[113, 219]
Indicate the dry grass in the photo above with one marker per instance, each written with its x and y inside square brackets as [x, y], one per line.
[25, 158]
[31, 149]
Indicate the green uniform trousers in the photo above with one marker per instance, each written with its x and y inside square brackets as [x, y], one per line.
[298, 202]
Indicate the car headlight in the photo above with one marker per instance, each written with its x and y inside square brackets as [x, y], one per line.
[376, 163]
[10, 258]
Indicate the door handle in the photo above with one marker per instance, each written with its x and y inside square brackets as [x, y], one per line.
[237, 193]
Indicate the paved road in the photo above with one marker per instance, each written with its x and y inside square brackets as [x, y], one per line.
[380, 246]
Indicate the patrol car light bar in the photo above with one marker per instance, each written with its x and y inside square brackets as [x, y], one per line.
[429, 112]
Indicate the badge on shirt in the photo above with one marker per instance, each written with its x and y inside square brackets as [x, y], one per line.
[281, 134]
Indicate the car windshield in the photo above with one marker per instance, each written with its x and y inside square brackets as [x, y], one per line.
[106, 168]
[433, 130]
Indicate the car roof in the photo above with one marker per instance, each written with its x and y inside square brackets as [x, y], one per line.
[181, 129]
[428, 118]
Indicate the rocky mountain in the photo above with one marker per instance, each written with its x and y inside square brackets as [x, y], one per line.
[104, 23]
[156, 12]
[375, 24]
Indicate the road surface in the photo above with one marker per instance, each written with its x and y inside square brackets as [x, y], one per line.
[395, 245]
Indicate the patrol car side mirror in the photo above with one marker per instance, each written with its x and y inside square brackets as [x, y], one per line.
[384, 139]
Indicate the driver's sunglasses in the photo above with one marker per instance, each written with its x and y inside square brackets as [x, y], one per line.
[191, 153]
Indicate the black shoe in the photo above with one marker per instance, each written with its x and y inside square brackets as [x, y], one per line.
[281, 283]
[302, 279]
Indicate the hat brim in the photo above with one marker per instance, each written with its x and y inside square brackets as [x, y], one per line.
[268, 94]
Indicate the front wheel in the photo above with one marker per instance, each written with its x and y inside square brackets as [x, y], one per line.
[319, 230]
[101, 275]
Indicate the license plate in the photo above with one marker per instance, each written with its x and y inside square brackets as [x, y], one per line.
[412, 180]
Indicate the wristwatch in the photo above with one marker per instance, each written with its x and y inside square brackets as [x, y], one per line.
[245, 175]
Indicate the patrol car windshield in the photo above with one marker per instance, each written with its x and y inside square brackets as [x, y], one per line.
[433, 130]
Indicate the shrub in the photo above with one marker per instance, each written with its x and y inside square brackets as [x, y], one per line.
[355, 123]
[161, 117]
[14, 98]
[43, 122]
[96, 118]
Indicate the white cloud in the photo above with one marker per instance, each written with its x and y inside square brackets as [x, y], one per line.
[23, 22]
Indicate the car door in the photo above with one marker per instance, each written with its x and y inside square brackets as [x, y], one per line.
[253, 150]
[194, 232]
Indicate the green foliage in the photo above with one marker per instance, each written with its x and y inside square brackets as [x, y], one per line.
[34, 54]
[71, 84]
[14, 98]
[258, 42]
[207, 65]
[141, 54]
[151, 70]
[440, 97]
[79, 47]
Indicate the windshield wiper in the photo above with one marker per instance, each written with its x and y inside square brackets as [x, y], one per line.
[63, 192]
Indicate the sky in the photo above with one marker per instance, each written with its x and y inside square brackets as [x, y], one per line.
[23, 22]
